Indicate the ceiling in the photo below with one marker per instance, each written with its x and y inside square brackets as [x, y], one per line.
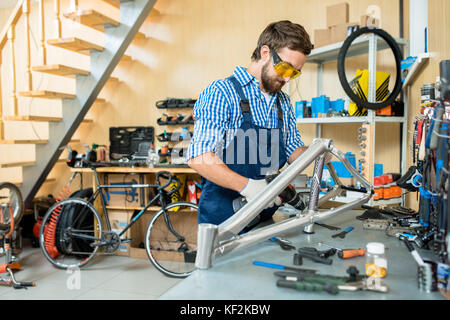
[8, 3]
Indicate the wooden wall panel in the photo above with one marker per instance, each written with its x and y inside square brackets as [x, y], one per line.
[192, 43]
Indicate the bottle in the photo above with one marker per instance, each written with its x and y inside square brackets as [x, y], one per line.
[376, 263]
[153, 157]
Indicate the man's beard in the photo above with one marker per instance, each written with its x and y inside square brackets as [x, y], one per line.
[270, 85]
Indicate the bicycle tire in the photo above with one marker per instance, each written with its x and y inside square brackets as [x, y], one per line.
[15, 196]
[343, 78]
[51, 244]
[170, 256]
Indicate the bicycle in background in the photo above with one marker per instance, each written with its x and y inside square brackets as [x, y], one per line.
[73, 231]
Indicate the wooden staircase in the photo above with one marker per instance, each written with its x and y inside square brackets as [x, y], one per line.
[104, 59]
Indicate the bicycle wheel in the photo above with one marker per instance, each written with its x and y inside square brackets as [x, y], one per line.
[173, 256]
[69, 230]
[10, 197]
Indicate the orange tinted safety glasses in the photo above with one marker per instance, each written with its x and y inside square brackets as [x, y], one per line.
[282, 68]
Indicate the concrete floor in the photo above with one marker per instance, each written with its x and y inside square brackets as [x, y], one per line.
[106, 278]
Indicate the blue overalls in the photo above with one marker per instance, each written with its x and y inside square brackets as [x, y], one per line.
[216, 202]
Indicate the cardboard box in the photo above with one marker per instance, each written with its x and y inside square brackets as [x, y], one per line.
[339, 33]
[322, 37]
[369, 21]
[119, 220]
[337, 14]
[125, 197]
[139, 229]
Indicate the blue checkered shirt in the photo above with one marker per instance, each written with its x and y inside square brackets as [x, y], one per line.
[218, 115]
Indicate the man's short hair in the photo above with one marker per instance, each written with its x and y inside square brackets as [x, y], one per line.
[282, 34]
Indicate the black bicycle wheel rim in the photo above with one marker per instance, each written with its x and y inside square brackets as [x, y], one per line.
[177, 264]
[343, 78]
[75, 262]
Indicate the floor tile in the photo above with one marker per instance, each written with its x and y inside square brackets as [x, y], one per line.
[44, 291]
[141, 278]
[103, 294]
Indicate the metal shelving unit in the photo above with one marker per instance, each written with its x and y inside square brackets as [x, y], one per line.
[368, 44]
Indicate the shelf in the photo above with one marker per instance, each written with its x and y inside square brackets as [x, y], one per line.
[359, 47]
[371, 201]
[135, 170]
[415, 69]
[342, 120]
[151, 208]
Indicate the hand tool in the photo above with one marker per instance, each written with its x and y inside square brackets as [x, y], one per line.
[316, 278]
[347, 253]
[369, 284]
[313, 254]
[282, 267]
[308, 286]
[298, 260]
[414, 253]
[343, 233]
[327, 226]
[284, 244]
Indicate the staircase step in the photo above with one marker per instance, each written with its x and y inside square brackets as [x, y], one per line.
[45, 94]
[27, 141]
[116, 3]
[49, 180]
[126, 58]
[33, 118]
[100, 100]
[95, 20]
[75, 44]
[92, 19]
[61, 70]
[17, 164]
[31, 141]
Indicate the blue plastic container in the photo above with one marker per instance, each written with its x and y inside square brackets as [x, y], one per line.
[337, 105]
[320, 105]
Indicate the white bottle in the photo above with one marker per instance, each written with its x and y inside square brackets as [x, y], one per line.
[376, 262]
[153, 157]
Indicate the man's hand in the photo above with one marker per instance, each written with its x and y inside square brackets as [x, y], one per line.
[253, 187]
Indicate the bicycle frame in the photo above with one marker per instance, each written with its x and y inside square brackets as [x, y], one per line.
[214, 241]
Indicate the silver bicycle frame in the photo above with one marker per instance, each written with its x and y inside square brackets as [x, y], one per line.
[214, 241]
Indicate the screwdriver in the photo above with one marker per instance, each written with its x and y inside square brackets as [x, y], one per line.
[347, 253]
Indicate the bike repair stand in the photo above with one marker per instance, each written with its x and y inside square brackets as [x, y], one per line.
[11, 264]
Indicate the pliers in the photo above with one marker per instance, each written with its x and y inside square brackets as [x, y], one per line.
[368, 284]
[284, 244]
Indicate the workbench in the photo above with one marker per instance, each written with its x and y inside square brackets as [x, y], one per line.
[234, 277]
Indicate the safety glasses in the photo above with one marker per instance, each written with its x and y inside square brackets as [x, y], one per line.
[282, 68]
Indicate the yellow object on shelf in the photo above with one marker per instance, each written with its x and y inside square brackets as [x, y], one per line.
[360, 86]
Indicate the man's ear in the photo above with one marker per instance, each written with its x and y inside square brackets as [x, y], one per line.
[265, 53]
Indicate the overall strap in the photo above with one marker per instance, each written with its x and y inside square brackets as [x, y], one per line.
[245, 104]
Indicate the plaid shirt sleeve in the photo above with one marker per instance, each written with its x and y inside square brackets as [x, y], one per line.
[293, 138]
[212, 116]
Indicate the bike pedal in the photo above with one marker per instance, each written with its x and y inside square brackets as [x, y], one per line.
[126, 240]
